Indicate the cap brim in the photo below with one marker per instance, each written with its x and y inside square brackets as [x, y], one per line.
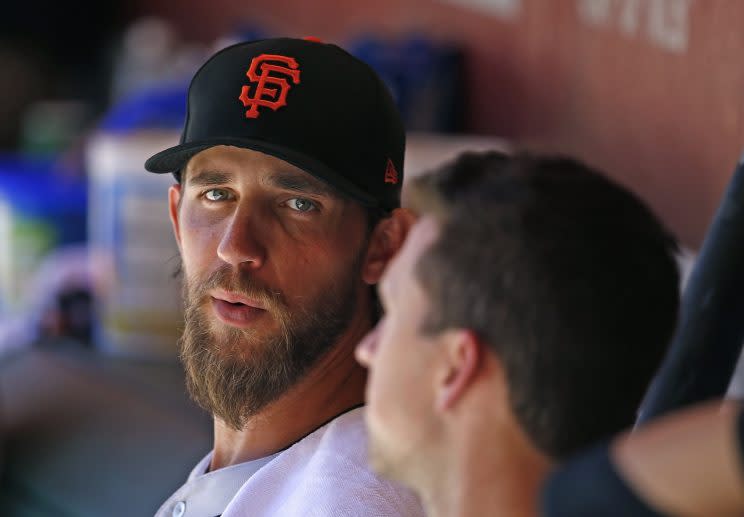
[175, 159]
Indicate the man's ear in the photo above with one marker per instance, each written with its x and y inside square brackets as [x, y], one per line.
[461, 361]
[385, 241]
[174, 198]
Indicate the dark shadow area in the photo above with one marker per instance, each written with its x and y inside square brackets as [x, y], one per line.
[90, 435]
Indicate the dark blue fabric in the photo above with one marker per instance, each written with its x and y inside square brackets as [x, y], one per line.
[708, 342]
[589, 486]
[740, 428]
[161, 107]
[40, 190]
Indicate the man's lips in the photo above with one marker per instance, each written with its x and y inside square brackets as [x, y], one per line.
[236, 299]
[236, 311]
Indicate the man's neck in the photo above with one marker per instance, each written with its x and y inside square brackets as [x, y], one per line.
[330, 388]
[488, 475]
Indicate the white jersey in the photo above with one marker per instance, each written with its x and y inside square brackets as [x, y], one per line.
[325, 474]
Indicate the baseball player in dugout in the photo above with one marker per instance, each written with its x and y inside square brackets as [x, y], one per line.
[286, 210]
[524, 317]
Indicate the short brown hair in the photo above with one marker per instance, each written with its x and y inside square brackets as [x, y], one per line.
[568, 277]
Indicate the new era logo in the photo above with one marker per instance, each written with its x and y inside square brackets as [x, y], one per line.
[391, 174]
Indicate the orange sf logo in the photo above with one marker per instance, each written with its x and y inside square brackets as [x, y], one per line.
[263, 72]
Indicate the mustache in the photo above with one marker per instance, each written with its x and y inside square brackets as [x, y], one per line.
[235, 281]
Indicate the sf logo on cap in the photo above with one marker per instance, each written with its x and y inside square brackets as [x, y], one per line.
[268, 72]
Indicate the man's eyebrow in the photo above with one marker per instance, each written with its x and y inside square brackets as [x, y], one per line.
[287, 180]
[208, 178]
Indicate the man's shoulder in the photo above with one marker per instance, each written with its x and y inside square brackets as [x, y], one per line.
[325, 474]
[343, 439]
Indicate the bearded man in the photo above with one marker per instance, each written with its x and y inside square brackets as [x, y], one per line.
[286, 212]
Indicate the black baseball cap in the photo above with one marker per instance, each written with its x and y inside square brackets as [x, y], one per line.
[308, 103]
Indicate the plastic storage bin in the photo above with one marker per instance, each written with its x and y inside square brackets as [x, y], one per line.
[139, 310]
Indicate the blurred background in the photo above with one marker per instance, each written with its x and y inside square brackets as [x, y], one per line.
[93, 412]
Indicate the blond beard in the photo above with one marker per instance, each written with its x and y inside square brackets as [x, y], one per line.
[235, 373]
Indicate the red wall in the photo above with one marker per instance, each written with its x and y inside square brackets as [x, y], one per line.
[652, 91]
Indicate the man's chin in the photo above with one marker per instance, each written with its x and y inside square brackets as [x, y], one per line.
[240, 342]
[244, 352]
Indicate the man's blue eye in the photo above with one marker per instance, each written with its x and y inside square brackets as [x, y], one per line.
[216, 194]
[301, 204]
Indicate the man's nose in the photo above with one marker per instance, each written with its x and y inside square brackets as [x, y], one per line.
[367, 347]
[241, 244]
